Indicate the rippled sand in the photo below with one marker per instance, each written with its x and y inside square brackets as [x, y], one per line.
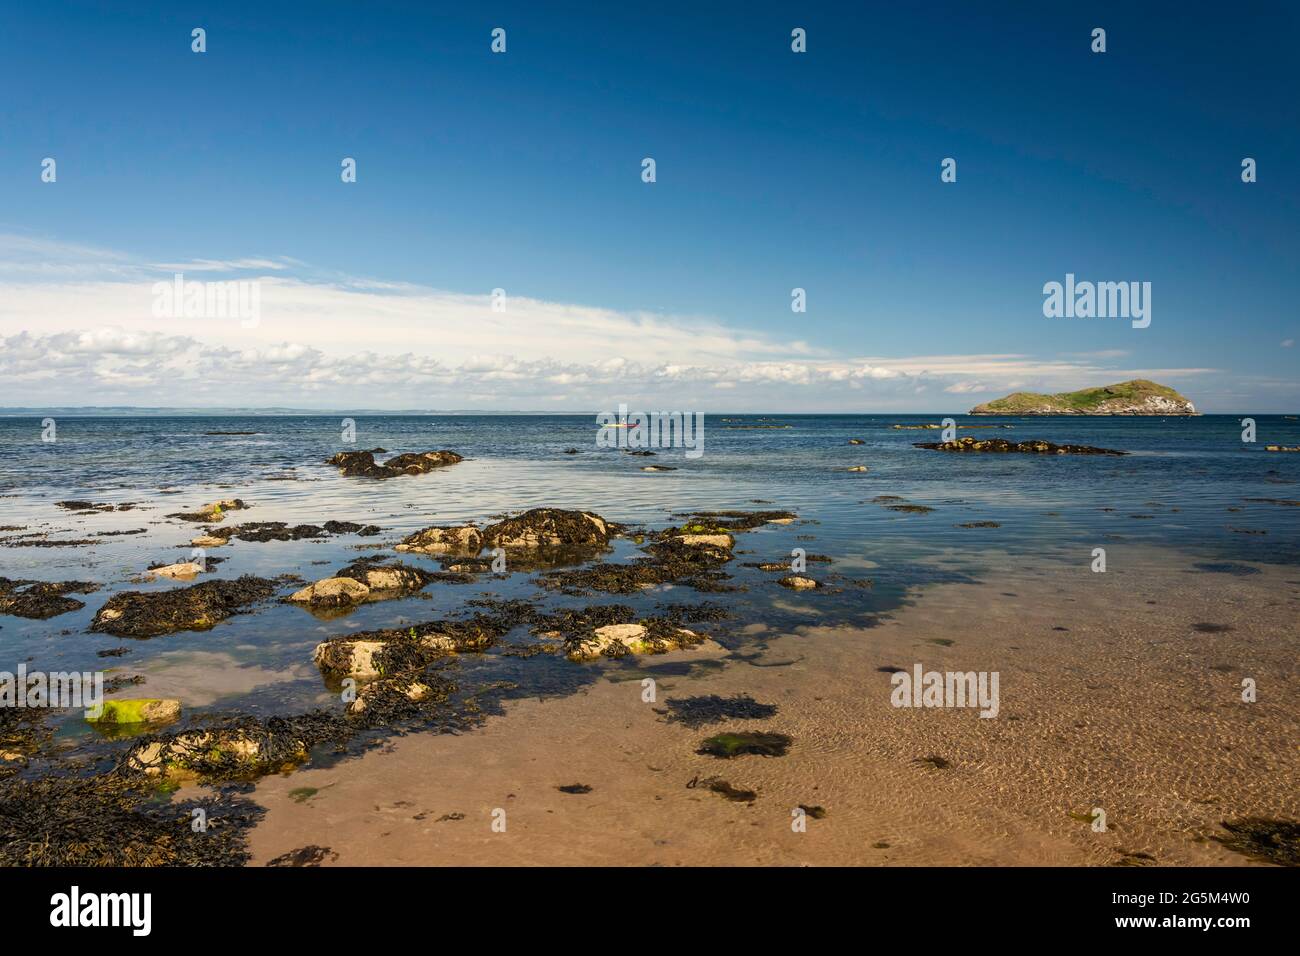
[1130, 709]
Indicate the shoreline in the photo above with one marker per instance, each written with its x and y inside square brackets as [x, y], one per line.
[1017, 789]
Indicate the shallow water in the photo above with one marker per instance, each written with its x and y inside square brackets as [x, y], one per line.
[1175, 488]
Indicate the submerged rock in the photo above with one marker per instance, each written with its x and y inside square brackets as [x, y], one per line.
[40, 600]
[362, 463]
[194, 608]
[1033, 446]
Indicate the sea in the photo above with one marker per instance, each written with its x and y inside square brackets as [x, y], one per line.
[1188, 490]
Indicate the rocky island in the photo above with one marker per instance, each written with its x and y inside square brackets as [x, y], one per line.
[1138, 397]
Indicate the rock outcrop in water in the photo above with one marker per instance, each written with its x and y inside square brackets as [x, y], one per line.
[538, 529]
[195, 608]
[1138, 397]
[1001, 445]
[362, 463]
[366, 580]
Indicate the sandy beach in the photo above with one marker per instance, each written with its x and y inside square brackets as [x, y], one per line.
[1119, 691]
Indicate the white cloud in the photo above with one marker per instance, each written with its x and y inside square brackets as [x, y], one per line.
[77, 327]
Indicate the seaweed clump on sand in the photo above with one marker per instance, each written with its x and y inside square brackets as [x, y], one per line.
[724, 789]
[727, 746]
[696, 712]
[115, 820]
[198, 607]
[1273, 841]
[362, 464]
[40, 600]
[1035, 446]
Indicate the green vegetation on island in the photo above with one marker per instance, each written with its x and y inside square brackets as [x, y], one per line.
[1138, 397]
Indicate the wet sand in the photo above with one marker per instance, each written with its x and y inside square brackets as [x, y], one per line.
[1131, 709]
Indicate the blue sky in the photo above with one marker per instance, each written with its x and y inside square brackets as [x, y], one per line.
[775, 170]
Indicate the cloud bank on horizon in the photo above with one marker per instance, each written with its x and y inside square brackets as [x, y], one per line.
[78, 326]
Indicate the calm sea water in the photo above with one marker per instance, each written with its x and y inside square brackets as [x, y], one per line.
[1187, 485]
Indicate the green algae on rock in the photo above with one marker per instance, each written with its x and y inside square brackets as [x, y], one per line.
[141, 710]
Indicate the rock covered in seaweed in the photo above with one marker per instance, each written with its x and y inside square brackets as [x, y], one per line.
[194, 608]
[650, 636]
[39, 600]
[1033, 446]
[362, 463]
[444, 539]
[261, 531]
[365, 580]
[331, 592]
[233, 753]
[540, 529]
[368, 655]
[549, 528]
